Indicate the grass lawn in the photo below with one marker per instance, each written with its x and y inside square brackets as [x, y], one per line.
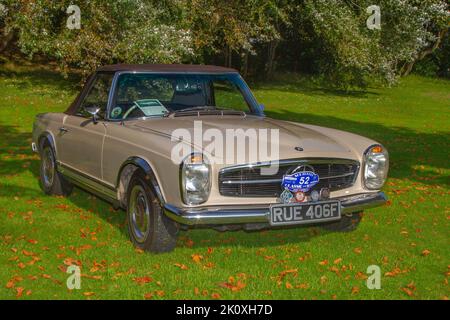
[409, 238]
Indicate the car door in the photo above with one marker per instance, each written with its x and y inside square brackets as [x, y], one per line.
[80, 140]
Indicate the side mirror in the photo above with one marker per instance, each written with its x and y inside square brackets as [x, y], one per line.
[93, 110]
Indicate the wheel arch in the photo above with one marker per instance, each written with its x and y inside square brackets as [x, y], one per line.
[126, 171]
[46, 137]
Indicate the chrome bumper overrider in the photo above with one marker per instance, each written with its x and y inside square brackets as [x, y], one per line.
[248, 214]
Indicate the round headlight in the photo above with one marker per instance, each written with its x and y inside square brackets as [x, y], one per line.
[376, 167]
[195, 179]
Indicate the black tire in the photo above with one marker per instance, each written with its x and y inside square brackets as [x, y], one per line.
[149, 228]
[346, 224]
[51, 181]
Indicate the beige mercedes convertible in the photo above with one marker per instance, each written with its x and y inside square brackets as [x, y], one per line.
[141, 136]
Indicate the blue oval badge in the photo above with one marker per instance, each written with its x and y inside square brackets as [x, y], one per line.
[300, 181]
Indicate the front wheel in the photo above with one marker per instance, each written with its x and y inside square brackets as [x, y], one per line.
[149, 228]
[51, 181]
[346, 224]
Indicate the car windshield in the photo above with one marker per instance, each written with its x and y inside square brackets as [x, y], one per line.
[141, 95]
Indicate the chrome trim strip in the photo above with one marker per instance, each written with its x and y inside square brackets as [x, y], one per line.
[278, 180]
[292, 161]
[86, 182]
[251, 181]
[259, 213]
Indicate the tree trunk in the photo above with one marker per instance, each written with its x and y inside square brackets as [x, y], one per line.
[5, 40]
[244, 66]
[270, 65]
[407, 68]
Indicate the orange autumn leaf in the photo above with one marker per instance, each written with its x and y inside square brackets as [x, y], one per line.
[19, 292]
[197, 258]
[148, 296]
[289, 285]
[408, 291]
[361, 276]
[10, 284]
[302, 286]
[143, 280]
[337, 261]
[355, 290]
[210, 250]
[88, 294]
[32, 241]
[284, 273]
[323, 263]
[233, 285]
[215, 296]
[209, 265]
[426, 252]
[181, 266]
[357, 250]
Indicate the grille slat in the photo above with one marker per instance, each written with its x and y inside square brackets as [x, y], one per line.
[247, 181]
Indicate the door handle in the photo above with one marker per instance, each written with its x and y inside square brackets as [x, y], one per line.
[63, 130]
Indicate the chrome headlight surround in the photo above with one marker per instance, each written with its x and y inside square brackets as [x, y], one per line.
[195, 179]
[376, 167]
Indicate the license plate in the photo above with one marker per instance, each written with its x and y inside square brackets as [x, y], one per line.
[304, 213]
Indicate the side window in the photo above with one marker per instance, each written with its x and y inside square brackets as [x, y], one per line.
[228, 96]
[98, 94]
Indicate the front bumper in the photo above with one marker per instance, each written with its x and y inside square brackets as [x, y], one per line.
[257, 214]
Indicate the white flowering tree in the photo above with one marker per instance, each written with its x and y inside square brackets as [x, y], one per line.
[133, 31]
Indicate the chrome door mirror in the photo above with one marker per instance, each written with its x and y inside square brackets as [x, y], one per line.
[93, 110]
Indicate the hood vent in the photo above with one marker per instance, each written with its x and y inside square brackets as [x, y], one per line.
[209, 113]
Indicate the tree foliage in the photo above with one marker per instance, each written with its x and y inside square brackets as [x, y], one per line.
[326, 37]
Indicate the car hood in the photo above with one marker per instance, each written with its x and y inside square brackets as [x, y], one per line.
[295, 140]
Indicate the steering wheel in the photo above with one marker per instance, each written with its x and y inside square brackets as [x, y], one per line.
[129, 111]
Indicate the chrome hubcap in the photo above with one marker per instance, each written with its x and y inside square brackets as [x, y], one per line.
[140, 213]
[48, 166]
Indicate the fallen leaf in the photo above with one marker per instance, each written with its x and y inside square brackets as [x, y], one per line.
[88, 294]
[19, 292]
[337, 261]
[143, 280]
[426, 252]
[355, 290]
[197, 258]
[408, 291]
[215, 296]
[181, 266]
[148, 296]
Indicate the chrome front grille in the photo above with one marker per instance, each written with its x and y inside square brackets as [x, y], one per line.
[248, 181]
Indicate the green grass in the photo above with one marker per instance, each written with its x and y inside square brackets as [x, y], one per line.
[408, 239]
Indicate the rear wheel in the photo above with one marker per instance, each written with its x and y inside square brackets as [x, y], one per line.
[51, 181]
[346, 224]
[149, 228]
